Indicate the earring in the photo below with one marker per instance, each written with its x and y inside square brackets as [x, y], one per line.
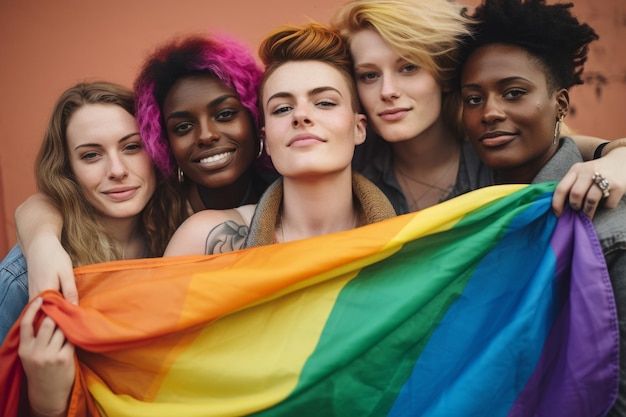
[181, 176]
[261, 141]
[557, 129]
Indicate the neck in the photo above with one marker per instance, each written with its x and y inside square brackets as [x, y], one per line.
[233, 195]
[427, 151]
[313, 208]
[525, 174]
[426, 167]
[128, 237]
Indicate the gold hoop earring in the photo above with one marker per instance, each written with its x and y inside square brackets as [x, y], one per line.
[557, 129]
[181, 175]
[261, 141]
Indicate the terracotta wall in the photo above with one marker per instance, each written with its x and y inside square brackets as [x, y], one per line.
[46, 46]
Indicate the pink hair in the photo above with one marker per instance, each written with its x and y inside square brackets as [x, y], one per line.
[229, 60]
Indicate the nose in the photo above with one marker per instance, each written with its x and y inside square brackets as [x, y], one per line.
[492, 111]
[389, 88]
[301, 116]
[117, 168]
[208, 132]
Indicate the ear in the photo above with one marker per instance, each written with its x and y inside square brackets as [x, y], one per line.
[263, 138]
[360, 128]
[562, 102]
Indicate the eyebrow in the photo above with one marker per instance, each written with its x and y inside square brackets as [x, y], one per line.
[399, 60]
[214, 103]
[97, 145]
[313, 92]
[500, 82]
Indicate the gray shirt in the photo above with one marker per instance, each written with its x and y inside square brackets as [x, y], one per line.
[374, 160]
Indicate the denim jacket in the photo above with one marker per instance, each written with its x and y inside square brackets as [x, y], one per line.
[13, 289]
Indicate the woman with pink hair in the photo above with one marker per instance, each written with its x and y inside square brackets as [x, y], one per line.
[196, 106]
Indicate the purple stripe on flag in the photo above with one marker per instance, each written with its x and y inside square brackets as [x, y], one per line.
[563, 373]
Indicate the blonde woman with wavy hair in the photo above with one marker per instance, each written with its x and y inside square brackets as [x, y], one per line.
[87, 235]
[405, 55]
[94, 171]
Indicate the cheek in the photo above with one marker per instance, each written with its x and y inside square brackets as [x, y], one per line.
[143, 168]
[367, 96]
[179, 147]
[274, 131]
[246, 135]
[88, 178]
[424, 88]
[471, 120]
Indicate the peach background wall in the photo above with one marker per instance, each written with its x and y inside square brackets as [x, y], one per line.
[46, 46]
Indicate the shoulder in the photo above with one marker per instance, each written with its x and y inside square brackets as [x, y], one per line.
[14, 263]
[211, 231]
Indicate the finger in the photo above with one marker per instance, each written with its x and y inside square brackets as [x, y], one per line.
[614, 198]
[592, 201]
[27, 331]
[68, 287]
[561, 193]
[67, 351]
[58, 340]
[45, 332]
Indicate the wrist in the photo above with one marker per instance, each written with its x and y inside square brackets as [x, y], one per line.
[611, 146]
[597, 154]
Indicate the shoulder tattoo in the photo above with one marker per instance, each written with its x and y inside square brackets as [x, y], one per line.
[226, 237]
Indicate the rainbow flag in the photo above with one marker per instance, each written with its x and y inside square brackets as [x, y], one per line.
[487, 305]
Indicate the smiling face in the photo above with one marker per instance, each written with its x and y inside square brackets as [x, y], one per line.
[310, 124]
[401, 99]
[509, 113]
[107, 158]
[210, 132]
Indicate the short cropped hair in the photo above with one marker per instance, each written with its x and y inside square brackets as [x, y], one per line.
[550, 34]
[311, 42]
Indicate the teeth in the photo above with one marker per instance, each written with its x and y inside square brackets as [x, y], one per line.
[215, 158]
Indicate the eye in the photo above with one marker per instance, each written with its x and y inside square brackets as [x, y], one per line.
[472, 100]
[408, 68]
[226, 115]
[182, 128]
[514, 93]
[281, 109]
[368, 77]
[133, 147]
[326, 103]
[89, 156]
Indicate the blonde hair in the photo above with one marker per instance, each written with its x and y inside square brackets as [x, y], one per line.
[424, 32]
[84, 237]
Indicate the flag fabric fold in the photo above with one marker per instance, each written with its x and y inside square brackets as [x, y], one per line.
[484, 305]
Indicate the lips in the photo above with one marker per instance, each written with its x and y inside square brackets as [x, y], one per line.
[214, 159]
[304, 139]
[121, 194]
[392, 115]
[497, 138]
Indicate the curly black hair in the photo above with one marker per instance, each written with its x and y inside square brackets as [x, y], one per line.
[550, 33]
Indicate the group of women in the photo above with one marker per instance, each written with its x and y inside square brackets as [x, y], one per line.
[202, 142]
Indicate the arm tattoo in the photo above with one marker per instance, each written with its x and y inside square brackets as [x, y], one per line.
[226, 237]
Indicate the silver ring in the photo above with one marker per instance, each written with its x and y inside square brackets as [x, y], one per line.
[602, 183]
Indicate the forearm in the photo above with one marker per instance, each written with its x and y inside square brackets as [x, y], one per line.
[587, 145]
[37, 217]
